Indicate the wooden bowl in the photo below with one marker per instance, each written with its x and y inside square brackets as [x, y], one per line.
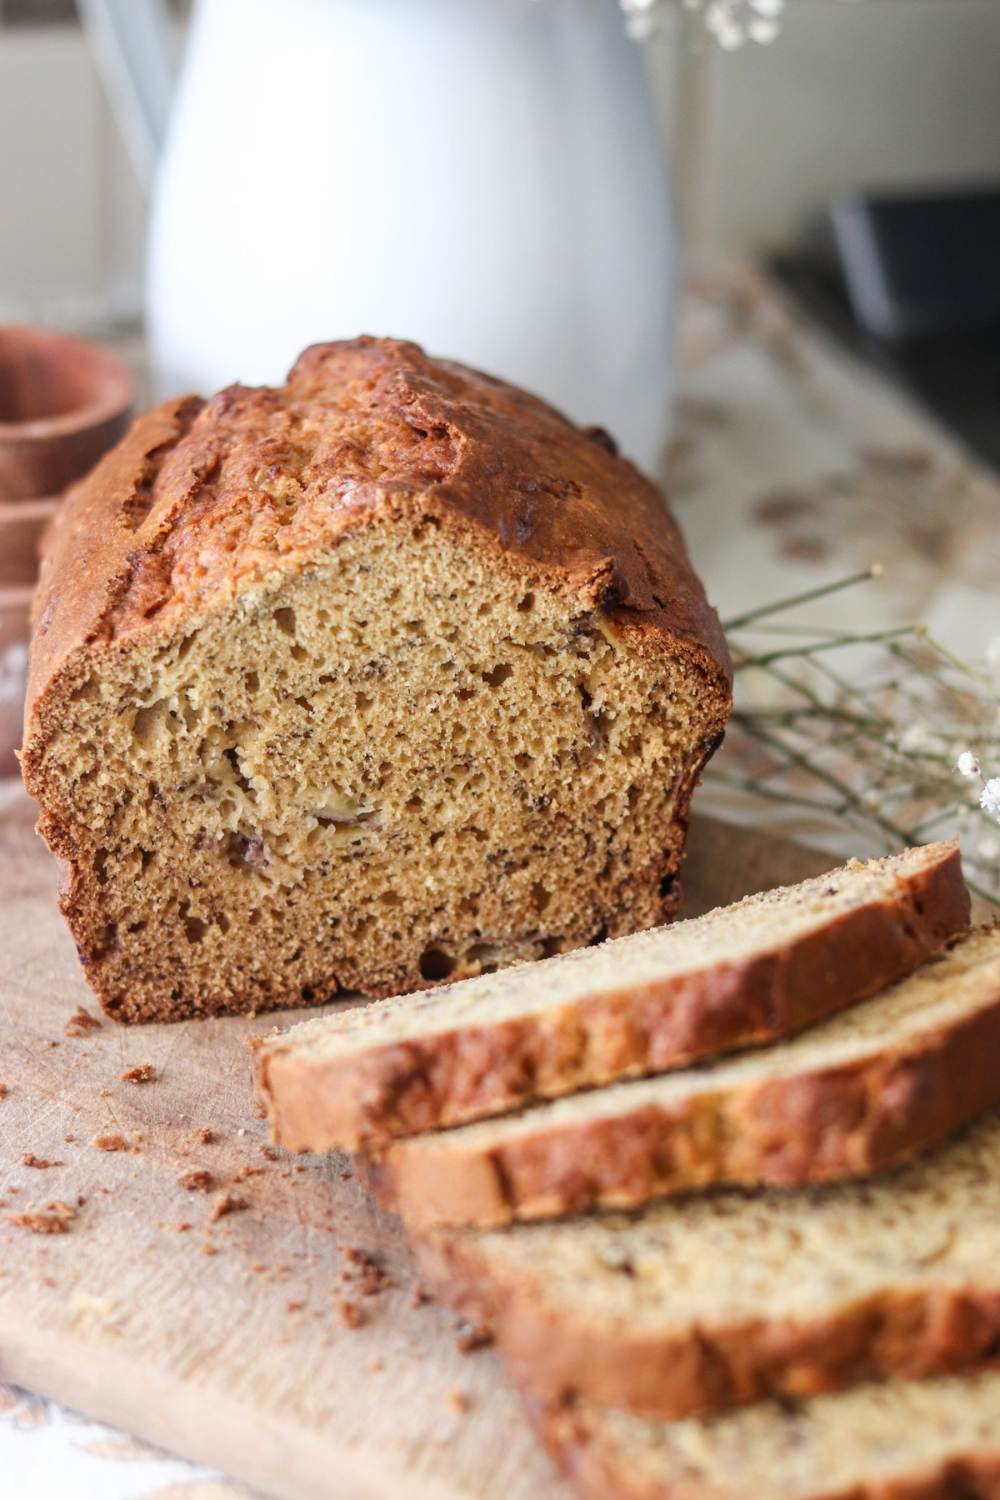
[63, 402]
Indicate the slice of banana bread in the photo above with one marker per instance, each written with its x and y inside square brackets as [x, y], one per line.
[903, 1440]
[384, 676]
[857, 1093]
[740, 976]
[725, 1299]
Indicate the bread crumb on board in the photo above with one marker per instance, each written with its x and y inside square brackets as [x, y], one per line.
[54, 1217]
[351, 1314]
[3, 1091]
[205, 1136]
[141, 1073]
[197, 1181]
[227, 1203]
[40, 1163]
[363, 1271]
[81, 1023]
[110, 1143]
[471, 1336]
[459, 1402]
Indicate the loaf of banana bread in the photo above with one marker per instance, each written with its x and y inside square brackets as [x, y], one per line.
[384, 676]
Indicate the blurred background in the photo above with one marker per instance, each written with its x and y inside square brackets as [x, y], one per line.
[881, 93]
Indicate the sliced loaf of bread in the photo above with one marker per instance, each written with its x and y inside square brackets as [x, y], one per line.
[902, 1440]
[860, 1092]
[688, 1308]
[742, 975]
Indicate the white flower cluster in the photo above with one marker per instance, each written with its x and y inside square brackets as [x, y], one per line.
[730, 22]
[989, 798]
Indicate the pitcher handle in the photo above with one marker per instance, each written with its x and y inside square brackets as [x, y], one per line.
[134, 46]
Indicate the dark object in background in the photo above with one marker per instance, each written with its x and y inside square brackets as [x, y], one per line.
[912, 285]
[917, 267]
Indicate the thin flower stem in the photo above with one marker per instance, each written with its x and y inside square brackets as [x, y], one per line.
[746, 784]
[962, 666]
[835, 783]
[780, 605]
[875, 637]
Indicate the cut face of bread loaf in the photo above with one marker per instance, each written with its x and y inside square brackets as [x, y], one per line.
[686, 1308]
[381, 677]
[913, 1440]
[743, 975]
[860, 1092]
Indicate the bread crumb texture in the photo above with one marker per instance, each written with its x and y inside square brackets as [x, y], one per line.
[383, 677]
[52, 1218]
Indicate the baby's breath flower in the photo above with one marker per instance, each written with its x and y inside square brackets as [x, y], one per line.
[990, 799]
[988, 849]
[968, 765]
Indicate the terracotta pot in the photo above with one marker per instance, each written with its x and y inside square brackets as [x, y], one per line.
[22, 523]
[63, 403]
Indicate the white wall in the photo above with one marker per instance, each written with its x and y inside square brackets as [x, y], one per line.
[71, 213]
[870, 94]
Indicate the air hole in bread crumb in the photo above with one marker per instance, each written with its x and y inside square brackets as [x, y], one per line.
[185, 647]
[194, 929]
[390, 898]
[299, 653]
[285, 620]
[223, 922]
[523, 761]
[307, 993]
[148, 721]
[252, 682]
[497, 676]
[540, 896]
[435, 963]
[527, 604]
[100, 861]
[362, 701]
[87, 692]
[464, 694]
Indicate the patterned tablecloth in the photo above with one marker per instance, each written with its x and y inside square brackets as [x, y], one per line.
[791, 466]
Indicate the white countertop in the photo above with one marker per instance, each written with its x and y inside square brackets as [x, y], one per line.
[791, 466]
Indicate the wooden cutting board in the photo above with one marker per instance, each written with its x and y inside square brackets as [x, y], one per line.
[223, 1341]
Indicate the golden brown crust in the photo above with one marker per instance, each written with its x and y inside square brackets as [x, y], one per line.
[598, 1471]
[171, 521]
[318, 1103]
[906, 1332]
[821, 1125]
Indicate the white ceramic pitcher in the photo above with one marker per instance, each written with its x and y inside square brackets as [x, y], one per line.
[484, 176]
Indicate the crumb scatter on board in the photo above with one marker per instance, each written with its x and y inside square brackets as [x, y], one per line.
[82, 1023]
[141, 1073]
[39, 1163]
[196, 1181]
[225, 1204]
[53, 1217]
[110, 1142]
[351, 1314]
